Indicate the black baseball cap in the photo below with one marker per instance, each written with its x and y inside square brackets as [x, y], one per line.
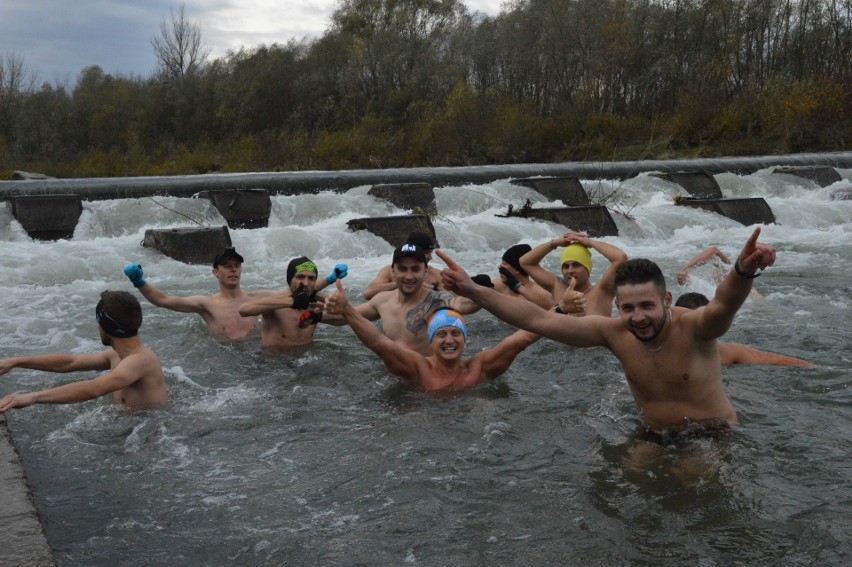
[409, 250]
[226, 256]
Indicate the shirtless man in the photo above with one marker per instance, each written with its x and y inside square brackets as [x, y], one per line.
[384, 280]
[135, 378]
[286, 318]
[404, 310]
[514, 280]
[670, 356]
[721, 267]
[220, 311]
[444, 368]
[576, 262]
[736, 353]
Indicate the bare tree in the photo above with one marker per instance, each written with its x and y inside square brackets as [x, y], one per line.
[15, 83]
[179, 48]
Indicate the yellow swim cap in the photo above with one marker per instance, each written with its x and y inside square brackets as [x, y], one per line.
[576, 252]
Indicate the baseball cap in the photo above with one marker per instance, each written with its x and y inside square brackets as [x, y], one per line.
[409, 250]
[227, 255]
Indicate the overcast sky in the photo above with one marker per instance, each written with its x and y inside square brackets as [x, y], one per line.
[56, 39]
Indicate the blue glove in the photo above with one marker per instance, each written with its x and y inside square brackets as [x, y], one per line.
[134, 272]
[340, 272]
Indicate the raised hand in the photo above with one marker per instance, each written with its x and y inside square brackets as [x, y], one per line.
[134, 274]
[336, 303]
[454, 278]
[340, 271]
[574, 300]
[754, 256]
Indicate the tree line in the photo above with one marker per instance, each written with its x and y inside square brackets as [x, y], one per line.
[402, 83]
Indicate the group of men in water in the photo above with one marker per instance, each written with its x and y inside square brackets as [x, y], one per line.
[670, 354]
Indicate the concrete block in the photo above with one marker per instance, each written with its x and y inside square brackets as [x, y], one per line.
[594, 220]
[189, 245]
[395, 229]
[745, 211]
[569, 190]
[822, 175]
[699, 184]
[242, 208]
[419, 198]
[48, 217]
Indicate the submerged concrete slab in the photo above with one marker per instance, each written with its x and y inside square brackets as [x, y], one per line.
[569, 190]
[189, 245]
[745, 211]
[699, 184]
[395, 229]
[594, 220]
[23, 540]
[822, 175]
[242, 208]
[48, 217]
[418, 198]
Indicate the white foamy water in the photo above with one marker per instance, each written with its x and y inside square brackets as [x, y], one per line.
[320, 458]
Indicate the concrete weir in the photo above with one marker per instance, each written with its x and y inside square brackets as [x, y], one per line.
[243, 198]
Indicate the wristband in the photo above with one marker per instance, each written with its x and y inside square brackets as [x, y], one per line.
[557, 309]
[740, 273]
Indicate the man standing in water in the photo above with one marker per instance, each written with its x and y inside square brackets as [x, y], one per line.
[404, 310]
[384, 280]
[445, 368]
[670, 355]
[576, 263]
[220, 311]
[287, 320]
[135, 378]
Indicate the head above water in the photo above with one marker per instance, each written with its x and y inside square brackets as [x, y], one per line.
[119, 314]
[576, 252]
[692, 300]
[446, 318]
[638, 271]
[226, 256]
[512, 256]
[300, 264]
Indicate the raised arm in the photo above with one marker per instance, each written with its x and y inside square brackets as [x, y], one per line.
[701, 258]
[382, 282]
[266, 303]
[496, 360]
[398, 359]
[60, 362]
[191, 304]
[531, 262]
[717, 316]
[575, 331]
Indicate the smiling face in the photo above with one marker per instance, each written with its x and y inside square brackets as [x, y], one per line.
[408, 274]
[229, 273]
[448, 343]
[643, 309]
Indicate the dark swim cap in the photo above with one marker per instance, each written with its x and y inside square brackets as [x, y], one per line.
[110, 325]
[300, 264]
[512, 256]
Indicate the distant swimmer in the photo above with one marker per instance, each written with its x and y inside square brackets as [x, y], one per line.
[405, 310]
[444, 368]
[736, 353]
[289, 317]
[576, 262]
[135, 378]
[384, 280]
[670, 355]
[721, 266]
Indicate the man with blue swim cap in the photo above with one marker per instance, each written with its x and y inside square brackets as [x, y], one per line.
[445, 368]
[135, 377]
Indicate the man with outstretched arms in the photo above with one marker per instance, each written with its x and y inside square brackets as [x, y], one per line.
[220, 311]
[404, 310]
[514, 280]
[670, 355]
[576, 262]
[135, 378]
[444, 368]
[287, 317]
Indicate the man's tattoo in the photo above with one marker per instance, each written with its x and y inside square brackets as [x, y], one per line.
[417, 316]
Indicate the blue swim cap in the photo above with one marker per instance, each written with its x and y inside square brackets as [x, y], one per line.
[446, 318]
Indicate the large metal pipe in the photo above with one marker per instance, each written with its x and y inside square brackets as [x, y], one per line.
[293, 183]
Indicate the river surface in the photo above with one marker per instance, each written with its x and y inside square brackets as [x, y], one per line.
[319, 457]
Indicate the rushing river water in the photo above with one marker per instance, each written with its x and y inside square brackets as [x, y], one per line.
[321, 458]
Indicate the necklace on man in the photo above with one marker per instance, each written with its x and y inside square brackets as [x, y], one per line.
[655, 349]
